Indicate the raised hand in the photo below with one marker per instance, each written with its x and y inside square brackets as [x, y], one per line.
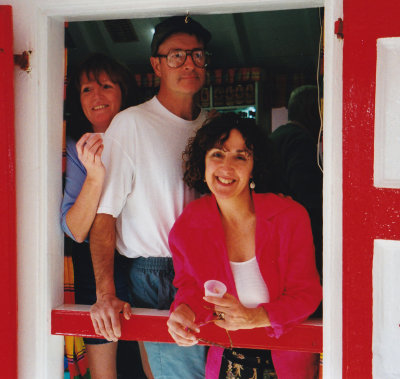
[89, 148]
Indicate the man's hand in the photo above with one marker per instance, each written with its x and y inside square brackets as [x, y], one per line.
[105, 312]
[105, 316]
[181, 326]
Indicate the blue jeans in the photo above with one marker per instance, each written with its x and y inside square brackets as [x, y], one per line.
[151, 284]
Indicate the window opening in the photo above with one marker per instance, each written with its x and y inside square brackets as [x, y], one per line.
[258, 58]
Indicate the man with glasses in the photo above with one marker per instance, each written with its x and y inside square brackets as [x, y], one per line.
[144, 193]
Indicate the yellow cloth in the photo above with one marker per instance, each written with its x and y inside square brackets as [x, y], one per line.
[75, 349]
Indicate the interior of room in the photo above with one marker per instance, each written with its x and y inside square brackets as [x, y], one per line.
[257, 58]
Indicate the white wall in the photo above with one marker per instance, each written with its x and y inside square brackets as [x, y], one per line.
[386, 305]
[38, 26]
[386, 280]
[387, 114]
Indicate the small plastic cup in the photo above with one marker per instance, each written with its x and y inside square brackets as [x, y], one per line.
[214, 288]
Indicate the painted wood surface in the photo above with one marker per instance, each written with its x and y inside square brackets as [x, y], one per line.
[8, 274]
[151, 325]
[38, 26]
[369, 213]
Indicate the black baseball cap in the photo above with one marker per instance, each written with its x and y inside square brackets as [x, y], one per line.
[177, 24]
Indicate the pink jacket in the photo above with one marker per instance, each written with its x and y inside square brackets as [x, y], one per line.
[285, 254]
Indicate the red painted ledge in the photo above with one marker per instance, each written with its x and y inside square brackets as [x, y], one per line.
[150, 325]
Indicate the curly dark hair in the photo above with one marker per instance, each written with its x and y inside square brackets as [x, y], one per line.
[94, 66]
[215, 132]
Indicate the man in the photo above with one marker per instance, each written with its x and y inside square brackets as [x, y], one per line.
[144, 192]
[296, 143]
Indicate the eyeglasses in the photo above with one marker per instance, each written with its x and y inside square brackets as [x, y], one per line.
[177, 58]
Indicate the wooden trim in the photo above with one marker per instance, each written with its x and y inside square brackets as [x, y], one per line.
[8, 267]
[150, 325]
[332, 192]
[369, 213]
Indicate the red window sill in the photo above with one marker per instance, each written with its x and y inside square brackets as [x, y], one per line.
[150, 325]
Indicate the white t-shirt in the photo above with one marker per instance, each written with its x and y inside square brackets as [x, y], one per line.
[143, 187]
[249, 282]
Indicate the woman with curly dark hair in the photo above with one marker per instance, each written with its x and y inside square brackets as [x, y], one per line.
[258, 244]
[215, 132]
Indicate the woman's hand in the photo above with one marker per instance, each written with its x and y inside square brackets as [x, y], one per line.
[234, 315]
[89, 148]
[80, 216]
[181, 326]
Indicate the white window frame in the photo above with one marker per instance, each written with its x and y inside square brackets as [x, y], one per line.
[39, 27]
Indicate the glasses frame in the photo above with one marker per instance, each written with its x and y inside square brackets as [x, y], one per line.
[187, 52]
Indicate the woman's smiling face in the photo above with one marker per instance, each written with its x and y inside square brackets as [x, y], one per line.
[101, 100]
[228, 168]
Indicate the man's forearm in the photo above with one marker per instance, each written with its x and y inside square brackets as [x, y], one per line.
[102, 246]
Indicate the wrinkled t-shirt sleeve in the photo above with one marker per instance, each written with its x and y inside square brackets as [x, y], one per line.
[119, 179]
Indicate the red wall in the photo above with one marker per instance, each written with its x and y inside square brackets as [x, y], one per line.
[8, 251]
[368, 213]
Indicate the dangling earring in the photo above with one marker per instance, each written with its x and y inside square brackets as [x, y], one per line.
[252, 184]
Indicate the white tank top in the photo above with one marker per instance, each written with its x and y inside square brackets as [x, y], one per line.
[250, 285]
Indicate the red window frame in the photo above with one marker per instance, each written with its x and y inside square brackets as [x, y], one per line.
[151, 325]
[8, 267]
